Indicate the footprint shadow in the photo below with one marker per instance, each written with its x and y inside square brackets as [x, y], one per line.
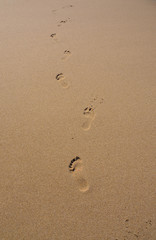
[61, 79]
[90, 115]
[77, 171]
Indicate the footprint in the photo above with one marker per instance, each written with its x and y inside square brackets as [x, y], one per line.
[54, 10]
[60, 78]
[90, 115]
[53, 35]
[62, 22]
[67, 6]
[96, 100]
[66, 54]
[76, 168]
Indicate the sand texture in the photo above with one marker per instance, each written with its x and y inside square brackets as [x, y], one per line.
[77, 120]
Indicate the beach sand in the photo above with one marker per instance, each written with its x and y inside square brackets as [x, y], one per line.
[77, 120]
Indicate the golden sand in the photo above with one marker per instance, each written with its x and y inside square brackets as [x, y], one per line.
[77, 82]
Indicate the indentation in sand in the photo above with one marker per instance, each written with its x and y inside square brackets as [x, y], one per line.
[90, 115]
[67, 6]
[77, 171]
[53, 36]
[63, 22]
[66, 54]
[61, 79]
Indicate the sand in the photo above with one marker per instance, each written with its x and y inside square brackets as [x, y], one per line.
[77, 120]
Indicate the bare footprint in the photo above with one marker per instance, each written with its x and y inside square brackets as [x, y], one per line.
[76, 168]
[66, 54]
[68, 6]
[63, 22]
[53, 36]
[61, 79]
[90, 115]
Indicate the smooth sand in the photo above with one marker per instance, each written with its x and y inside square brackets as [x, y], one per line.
[105, 51]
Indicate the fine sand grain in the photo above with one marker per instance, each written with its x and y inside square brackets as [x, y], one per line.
[77, 125]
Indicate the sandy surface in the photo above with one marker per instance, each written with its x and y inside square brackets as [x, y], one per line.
[77, 152]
